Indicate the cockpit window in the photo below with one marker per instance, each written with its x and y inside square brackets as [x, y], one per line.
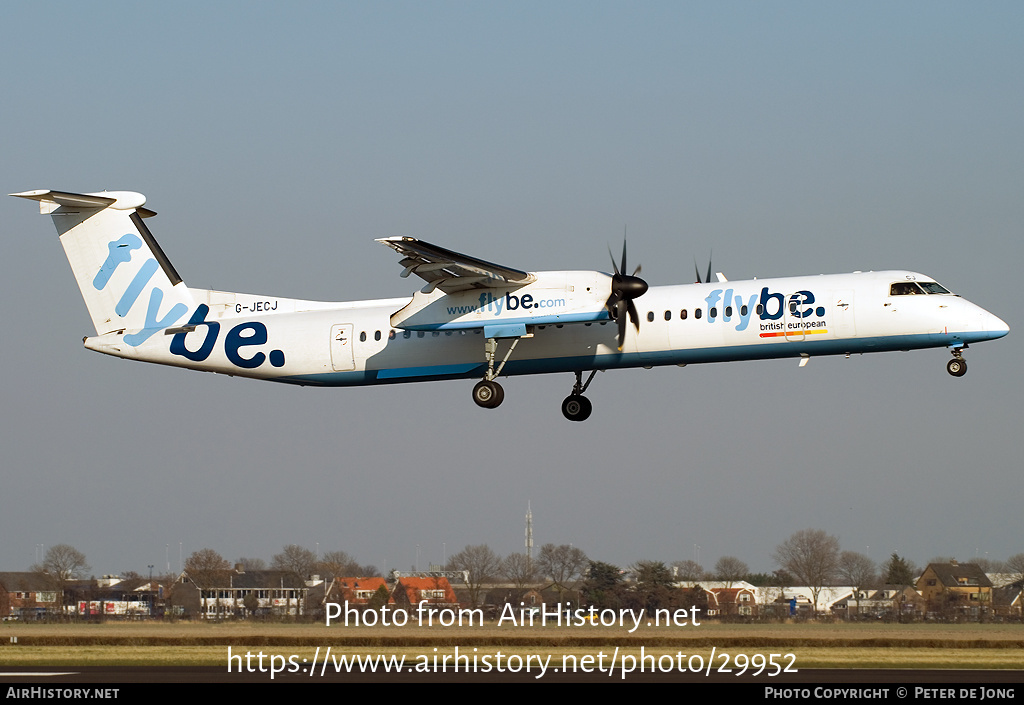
[934, 288]
[904, 289]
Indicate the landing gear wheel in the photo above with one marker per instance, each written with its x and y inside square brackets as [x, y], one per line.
[488, 394]
[957, 367]
[576, 407]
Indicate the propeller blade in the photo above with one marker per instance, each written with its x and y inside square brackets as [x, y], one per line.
[633, 315]
[621, 319]
[708, 279]
[614, 266]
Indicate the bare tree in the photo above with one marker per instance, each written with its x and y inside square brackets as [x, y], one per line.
[564, 564]
[252, 564]
[729, 569]
[295, 559]
[518, 569]
[812, 557]
[1015, 565]
[62, 564]
[335, 564]
[480, 563]
[688, 571]
[858, 571]
[208, 570]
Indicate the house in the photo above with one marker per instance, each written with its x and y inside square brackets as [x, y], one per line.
[888, 602]
[27, 595]
[357, 592]
[732, 601]
[224, 594]
[437, 592]
[955, 589]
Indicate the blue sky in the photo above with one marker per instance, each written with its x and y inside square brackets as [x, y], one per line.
[277, 141]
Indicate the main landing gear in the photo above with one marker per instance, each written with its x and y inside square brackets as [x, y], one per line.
[488, 393]
[958, 365]
[577, 407]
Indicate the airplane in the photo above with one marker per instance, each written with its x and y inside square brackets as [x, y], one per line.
[473, 319]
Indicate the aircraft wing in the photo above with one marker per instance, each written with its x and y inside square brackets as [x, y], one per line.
[450, 271]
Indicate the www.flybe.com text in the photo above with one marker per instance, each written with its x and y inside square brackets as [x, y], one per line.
[508, 302]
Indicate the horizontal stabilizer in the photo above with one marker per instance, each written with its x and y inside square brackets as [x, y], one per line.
[49, 201]
[129, 286]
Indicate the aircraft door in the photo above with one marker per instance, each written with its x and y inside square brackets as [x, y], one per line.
[342, 355]
[843, 324]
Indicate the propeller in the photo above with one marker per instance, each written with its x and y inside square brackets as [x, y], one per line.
[625, 288]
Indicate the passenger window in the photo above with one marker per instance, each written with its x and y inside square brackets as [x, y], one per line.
[406, 334]
[362, 336]
[728, 311]
[682, 315]
[420, 334]
[650, 316]
[759, 309]
[713, 312]
[743, 310]
[391, 334]
[376, 335]
[696, 313]
[668, 315]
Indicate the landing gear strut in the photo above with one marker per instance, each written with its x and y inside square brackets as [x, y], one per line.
[488, 393]
[577, 407]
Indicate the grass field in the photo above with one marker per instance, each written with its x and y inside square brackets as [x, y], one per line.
[978, 646]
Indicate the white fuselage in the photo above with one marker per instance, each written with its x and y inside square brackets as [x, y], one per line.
[441, 336]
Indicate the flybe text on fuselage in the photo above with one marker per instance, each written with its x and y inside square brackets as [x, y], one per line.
[725, 306]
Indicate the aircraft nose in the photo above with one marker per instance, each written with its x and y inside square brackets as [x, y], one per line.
[997, 326]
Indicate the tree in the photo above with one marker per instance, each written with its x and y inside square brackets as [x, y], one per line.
[858, 571]
[564, 564]
[296, 560]
[730, 569]
[1015, 565]
[62, 564]
[338, 564]
[251, 565]
[603, 585]
[655, 587]
[688, 571]
[812, 556]
[518, 569]
[480, 564]
[208, 570]
[899, 571]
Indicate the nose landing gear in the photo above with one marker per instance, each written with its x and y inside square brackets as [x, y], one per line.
[958, 365]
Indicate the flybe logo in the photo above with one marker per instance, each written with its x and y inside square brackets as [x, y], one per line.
[508, 302]
[120, 252]
[236, 343]
[768, 306]
[245, 335]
